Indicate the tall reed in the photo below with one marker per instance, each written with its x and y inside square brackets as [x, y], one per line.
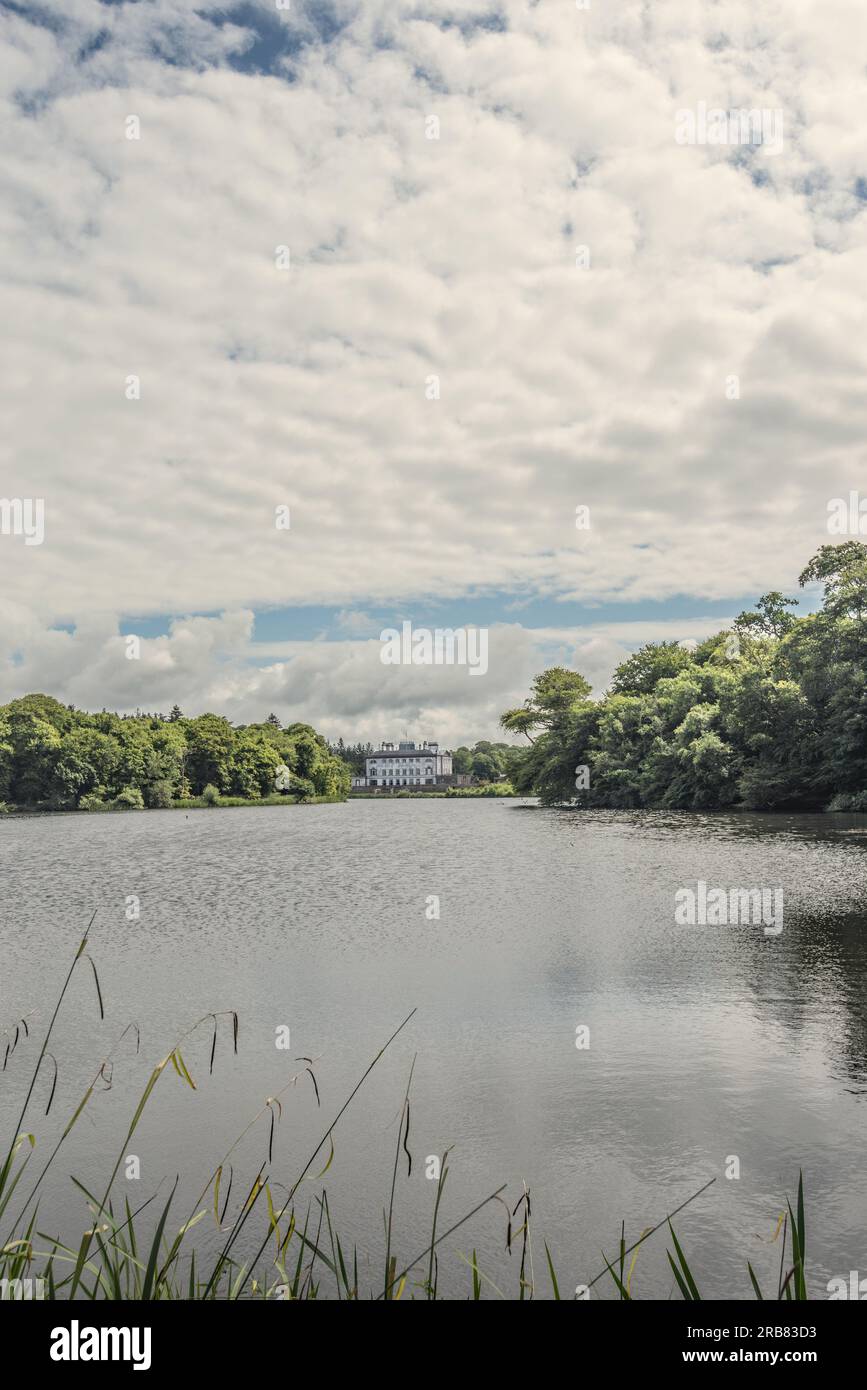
[125, 1254]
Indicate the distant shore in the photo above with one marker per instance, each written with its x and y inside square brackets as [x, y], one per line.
[198, 803]
[449, 794]
[193, 803]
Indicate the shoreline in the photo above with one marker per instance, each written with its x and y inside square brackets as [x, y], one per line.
[528, 800]
[195, 803]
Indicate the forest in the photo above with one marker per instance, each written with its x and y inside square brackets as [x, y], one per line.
[769, 714]
[54, 757]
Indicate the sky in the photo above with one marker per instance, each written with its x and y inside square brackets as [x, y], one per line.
[421, 279]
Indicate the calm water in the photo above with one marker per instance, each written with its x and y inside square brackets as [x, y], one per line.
[704, 1042]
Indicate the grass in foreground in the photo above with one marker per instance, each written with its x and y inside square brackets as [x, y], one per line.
[140, 1254]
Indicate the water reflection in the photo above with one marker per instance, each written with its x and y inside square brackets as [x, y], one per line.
[704, 1042]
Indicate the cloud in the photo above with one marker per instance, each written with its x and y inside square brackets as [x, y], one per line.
[411, 259]
[355, 623]
[341, 687]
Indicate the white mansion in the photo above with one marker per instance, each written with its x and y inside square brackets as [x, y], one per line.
[406, 766]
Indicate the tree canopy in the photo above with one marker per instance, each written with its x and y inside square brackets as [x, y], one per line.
[56, 757]
[772, 713]
[486, 761]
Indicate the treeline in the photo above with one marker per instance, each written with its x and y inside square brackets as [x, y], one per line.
[486, 761]
[771, 713]
[55, 757]
[355, 754]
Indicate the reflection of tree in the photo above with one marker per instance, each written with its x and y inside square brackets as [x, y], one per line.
[821, 970]
[821, 976]
[809, 984]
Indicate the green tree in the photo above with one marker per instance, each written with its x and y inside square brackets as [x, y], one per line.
[461, 760]
[770, 715]
[253, 764]
[210, 745]
[555, 695]
[770, 618]
[642, 672]
[54, 756]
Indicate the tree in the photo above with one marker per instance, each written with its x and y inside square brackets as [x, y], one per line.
[253, 764]
[461, 760]
[644, 669]
[770, 618]
[777, 719]
[7, 753]
[843, 570]
[301, 787]
[485, 765]
[84, 759]
[54, 756]
[209, 759]
[160, 795]
[33, 740]
[554, 694]
[129, 799]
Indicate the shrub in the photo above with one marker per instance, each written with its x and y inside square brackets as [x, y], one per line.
[160, 795]
[849, 801]
[210, 795]
[92, 801]
[129, 799]
[302, 787]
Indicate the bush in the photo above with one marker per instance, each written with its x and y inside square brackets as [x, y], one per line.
[489, 789]
[302, 787]
[130, 799]
[849, 801]
[160, 795]
[210, 795]
[92, 801]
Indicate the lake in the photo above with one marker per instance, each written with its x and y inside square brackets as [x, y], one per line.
[705, 1043]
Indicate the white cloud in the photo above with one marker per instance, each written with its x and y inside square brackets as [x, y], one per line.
[413, 257]
[341, 687]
